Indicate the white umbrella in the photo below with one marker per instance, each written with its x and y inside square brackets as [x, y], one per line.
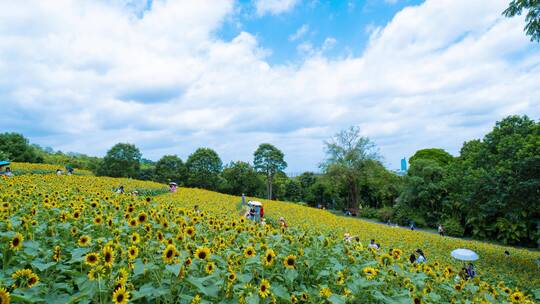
[254, 203]
[464, 255]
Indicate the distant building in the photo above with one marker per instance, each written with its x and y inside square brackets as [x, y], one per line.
[404, 164]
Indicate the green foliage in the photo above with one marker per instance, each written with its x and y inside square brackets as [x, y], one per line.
[269, 160]
[347, 153]
[385, 214]
[453, 227]
[203, 167]
[240, 177]
[369, 212]
[170, 168]
[122, 160]
[15, 147]
[532, 19]
[440, 156]
[293, 190]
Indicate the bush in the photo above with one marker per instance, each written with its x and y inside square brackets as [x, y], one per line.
[368, 212]
[385, 214]
[404, 215]
[453, 227]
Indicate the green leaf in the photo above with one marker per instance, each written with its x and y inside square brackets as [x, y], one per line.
[139, 268]
[336, 300]
[41, 266]
[253, 299]
[280, 291]
[174, 269]
[291, 274]
[77, 255]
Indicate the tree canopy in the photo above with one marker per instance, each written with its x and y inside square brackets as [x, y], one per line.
[15, 147]
[440, 156]
[122, 160]
[203, 167]
[170, 168]
[269, 160]
[532, 17]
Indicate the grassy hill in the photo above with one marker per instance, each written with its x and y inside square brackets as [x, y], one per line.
[70, 239]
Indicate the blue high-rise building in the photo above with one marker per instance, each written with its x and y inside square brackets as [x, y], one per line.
[404, 165]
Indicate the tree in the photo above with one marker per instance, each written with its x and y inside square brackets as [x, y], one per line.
[203, 168]
[532, 20]
[241, 178]
[269, 160]
[170, 168]
[293, 190]
[15, 147]
[440, 156]
[346, 155]
[122, 160]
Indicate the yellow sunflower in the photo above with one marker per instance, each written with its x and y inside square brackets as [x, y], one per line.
[133, 251]
[202, 253]
[135, 238]
[325, 292]
[249, 252]
[264, 288]
[168, 254]
[4, 296]
[517, 297]
[290, 261]
[84, 241]
[16, 242]
[120, 296]
[210, 267]
[108, 256]
[269, 257]
[92, 258]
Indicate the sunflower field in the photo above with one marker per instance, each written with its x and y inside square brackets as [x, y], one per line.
[71, 239]
[28, 168]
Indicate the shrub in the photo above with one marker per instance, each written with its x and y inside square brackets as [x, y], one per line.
[403, 215]
[453, 227]
[368, 212]
[385, 214]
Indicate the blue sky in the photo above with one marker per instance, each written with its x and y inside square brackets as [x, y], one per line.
[172, 76]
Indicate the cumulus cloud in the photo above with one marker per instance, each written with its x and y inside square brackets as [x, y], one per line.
[299, 33]
[274, 7]
[438, 74]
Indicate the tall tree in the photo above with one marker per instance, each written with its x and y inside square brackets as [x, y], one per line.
[122, 160]
[170, 168]
[346, 156]
[532, 19]
[440, 156]
[240, 177]
[15, 147]
[203, 168]
[269, 160]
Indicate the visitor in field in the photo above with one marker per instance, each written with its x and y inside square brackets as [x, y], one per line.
[172, 187]
[412, 225]
[120, 190]
[471, 272]
[282, 223]
[196, 209]
[8, 172]
[58, 172]
[412, 258]
[261, 212]
[441, 230]
[421, 256]
[373, 245]
[507, 253]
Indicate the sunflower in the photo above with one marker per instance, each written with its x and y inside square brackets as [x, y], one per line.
[92, 258]
[133, 251]
[135, 238]
[132, 222]
[56, 253]
[290, 261]
[190, 231]
[458, 287]
[32, 280]
[123, 276]
[120, 296]
[249, 252]
[25, 278]
[386, 259]
[210, 267]
[325, 292]
[370, 272]
[84, 241]
[202, 253]
[98, 220]
[142, 217]
[16, 242]
[294, 299]
[4, 296]
[168, 254]
[517, 297]
[340, 278]
[264, 288]
[304, 297]
[231, 277]
[269, 257]
[108, 256]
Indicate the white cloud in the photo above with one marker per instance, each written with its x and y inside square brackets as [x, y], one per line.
[438, 74]
[299, 33]
[274, 7]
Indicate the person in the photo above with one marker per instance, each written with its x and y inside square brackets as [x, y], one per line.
[135, 193]
[421, 256]
[412, 225]
[412, 258]
[373, 245]
[58, 172]
[172, 187]
[506, 253]
[69, 170]
[196, 209]
[282, 222]
[347, 237]
[243, 199]
[261, 212]
[471, 273]
[120, 189]
[8, 172]
[441, 230]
